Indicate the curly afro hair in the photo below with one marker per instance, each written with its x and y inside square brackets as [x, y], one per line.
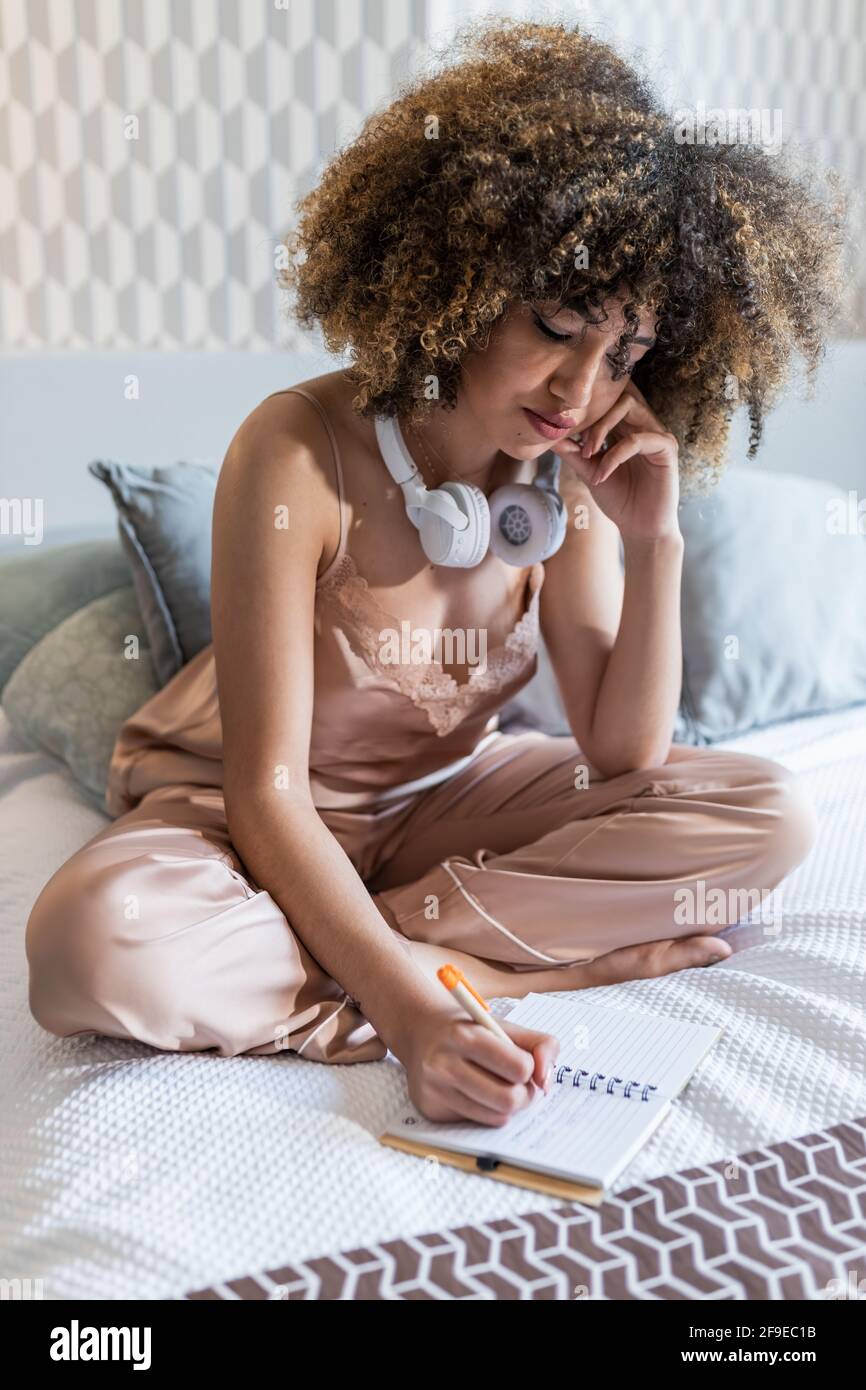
[540, 167]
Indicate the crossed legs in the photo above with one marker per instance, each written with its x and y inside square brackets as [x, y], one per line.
[521, 870]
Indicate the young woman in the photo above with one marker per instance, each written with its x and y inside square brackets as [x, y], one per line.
[522, 258]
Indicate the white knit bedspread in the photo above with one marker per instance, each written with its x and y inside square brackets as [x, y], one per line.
[132, 1173]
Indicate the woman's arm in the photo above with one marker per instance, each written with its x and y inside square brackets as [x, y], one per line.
[616, 644]
[275, 522]
[263, 603]
[640, 690]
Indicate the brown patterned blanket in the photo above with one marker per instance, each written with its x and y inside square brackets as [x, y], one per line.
[787, 1221]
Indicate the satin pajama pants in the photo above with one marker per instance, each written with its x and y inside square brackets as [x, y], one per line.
[155, 931]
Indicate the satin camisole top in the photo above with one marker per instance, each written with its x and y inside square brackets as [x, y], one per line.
[380, 730]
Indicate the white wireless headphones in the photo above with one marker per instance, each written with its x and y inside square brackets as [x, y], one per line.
[522, 523]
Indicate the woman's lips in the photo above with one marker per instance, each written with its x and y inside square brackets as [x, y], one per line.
[545, 428]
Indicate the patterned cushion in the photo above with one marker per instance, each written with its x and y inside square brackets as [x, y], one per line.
[41, 587]
[76, 686]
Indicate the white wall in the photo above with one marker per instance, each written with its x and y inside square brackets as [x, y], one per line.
[60, 410]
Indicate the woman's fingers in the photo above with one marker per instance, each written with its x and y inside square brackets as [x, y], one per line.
[544, 1047]
[456, 1107]
[631, 410]
[569, 448]
[595, 435]
[585, 469]
[497, 1075]
[480, 1088]
[594, 456]
[647, 442]
[510, 1062]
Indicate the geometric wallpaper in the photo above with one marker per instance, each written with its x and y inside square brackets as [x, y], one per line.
[151, 151]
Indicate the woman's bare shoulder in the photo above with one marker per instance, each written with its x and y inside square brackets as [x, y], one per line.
[285, 425]
[286, 412]
[282, 449]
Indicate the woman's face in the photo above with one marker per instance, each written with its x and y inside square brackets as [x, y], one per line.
[543, 361]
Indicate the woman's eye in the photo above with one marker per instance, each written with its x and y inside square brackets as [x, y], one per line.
[549, 333]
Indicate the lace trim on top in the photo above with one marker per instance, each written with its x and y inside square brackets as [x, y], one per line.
[427, 684]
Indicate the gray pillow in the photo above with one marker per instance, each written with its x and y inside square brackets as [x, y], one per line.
[76, 686]
[164, 516]
[41, 587]
[773, 605]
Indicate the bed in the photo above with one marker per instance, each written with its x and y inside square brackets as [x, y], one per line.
[132, 1173]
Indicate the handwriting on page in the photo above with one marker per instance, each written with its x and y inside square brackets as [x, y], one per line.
[550, 1128]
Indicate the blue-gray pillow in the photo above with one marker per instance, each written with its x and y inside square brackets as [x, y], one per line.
[164, 515]
[40, 586]
[773, 602]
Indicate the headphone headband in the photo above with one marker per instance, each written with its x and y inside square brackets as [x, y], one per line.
[530, 517]
[403, 469]
[547, 473]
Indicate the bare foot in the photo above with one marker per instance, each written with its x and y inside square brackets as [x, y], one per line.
[646, 961]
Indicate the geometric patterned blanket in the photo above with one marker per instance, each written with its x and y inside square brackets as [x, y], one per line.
[787, 1221]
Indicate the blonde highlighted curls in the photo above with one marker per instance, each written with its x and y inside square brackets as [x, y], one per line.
[546, 141]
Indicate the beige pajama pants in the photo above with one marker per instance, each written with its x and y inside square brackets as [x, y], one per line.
[154, 930]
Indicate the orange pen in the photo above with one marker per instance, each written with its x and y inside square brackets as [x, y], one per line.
[477, 1007]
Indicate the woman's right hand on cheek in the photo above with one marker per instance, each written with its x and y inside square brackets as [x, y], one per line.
[459, 1071]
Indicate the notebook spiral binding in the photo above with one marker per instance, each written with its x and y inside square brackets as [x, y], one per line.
[628, 1087]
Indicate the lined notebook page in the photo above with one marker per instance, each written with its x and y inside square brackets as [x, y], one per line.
[647, 1048]
[575, 1131]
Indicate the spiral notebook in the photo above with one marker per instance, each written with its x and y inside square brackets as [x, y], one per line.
[615, 1080]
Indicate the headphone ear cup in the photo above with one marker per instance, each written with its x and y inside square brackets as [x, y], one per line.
[527, 524]
[445, 545]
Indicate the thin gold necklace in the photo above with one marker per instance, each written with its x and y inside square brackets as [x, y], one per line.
[450, 471]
